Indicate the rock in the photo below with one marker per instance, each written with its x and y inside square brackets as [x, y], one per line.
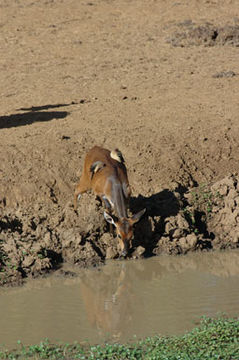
[223, 190]
[191, 240]
[90, 227]
[47, 239]
[71, 238]
[106, 238]
[111, 253]
[36, 247]
[182, 222]
[40, 231]
[28, 261]
[163, 240]
[138, 252]
[169, 226]
[188, 242]
[177, 233]
[78, 240]
[182, 242]
[235, 239]
[232, 194]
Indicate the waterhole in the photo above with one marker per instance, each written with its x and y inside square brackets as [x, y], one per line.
[122, 299]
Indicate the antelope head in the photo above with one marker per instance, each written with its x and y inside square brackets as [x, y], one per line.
[124, 229]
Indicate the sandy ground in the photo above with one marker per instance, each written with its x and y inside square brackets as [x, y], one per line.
[158, 80]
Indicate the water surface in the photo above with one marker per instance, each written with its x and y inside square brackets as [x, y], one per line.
[161, 295]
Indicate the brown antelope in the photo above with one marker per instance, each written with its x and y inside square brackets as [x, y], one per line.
[105, 173]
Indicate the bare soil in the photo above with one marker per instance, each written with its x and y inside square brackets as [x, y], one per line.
[158, 80]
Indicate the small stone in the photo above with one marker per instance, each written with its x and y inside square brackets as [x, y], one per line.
[36, 247]
[168, 227]
[139, 251]
[28, 261]
[191, 240]
[182, 222]
[106, 238]
[47, 239]
[224, 74]
[40, 230]
[223, 190]
[177, 233]
[235, 239]
[111, 253]
[230, 203]
[232, 194]
[182, 242]
[78, 240]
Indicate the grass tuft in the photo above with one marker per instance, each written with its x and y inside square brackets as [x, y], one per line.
[212, 339]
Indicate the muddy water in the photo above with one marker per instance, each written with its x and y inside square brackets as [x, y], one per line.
[121, 299]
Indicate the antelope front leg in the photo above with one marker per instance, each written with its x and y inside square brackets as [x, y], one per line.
[80, 189]
[77, 197]
[109, 209]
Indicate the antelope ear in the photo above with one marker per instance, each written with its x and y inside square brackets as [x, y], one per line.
[110, 218]
[96, 166]
[135, 218]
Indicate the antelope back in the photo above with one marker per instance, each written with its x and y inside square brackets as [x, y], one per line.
[108, 177]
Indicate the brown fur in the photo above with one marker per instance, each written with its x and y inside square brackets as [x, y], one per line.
[107, 177]
[98, 183]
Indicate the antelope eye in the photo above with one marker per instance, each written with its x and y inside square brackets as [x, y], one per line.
[119, 236]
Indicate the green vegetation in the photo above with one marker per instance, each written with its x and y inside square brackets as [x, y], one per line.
[199, 205]
[203, 199]
[212, 339]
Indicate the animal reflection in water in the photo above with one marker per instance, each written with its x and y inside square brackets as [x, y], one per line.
[105, 294]
[106, 300]
[114, 301]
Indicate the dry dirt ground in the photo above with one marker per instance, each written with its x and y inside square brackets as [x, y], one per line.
[159, 79]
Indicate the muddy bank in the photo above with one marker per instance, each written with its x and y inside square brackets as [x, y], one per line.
[156, 79]
[35, 242]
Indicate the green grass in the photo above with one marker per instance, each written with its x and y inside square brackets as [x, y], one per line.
[212, 339]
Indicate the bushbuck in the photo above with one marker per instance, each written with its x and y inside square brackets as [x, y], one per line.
[105, 173]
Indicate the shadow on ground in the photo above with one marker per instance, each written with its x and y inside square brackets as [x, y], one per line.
[31, 117]
[158, 207]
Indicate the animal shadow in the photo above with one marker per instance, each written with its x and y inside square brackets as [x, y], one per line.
[33, 114]
[158, 207]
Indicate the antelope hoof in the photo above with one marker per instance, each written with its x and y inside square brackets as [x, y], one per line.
[124, 253]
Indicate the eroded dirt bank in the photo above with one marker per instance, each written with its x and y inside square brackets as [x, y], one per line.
[158, 80]
[176, 222]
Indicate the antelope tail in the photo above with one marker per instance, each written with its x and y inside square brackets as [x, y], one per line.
[117, 155]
